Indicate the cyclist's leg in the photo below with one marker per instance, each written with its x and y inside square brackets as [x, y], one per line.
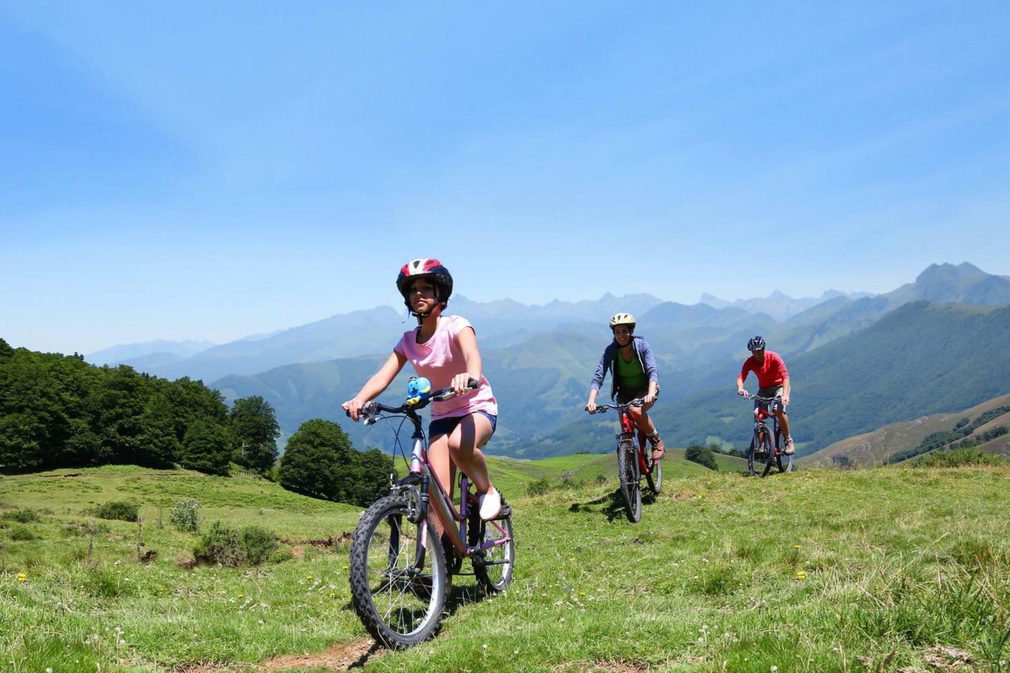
[465, 442]
[444, 471]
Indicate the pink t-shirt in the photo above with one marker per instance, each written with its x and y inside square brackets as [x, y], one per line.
[439, 359]
[770, 374]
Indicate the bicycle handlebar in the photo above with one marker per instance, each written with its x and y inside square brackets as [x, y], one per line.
[371, 409]
[748, 396]
[637, 402]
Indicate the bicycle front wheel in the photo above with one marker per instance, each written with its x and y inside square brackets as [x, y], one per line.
[770, 456]
[627, 468]
[398, 600]
[655, 477]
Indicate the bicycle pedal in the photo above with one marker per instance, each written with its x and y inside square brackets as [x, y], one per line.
[504, 513]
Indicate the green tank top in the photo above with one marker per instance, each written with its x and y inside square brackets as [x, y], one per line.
[630, 375]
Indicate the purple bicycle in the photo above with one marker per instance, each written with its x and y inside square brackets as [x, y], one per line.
[399, 569]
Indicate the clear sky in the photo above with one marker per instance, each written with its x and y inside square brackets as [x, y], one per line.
[215, 170]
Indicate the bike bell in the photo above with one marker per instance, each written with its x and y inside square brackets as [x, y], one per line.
[418, 389]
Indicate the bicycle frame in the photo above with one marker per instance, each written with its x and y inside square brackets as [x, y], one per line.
[628, 428]
[421, 475]
[757, 443]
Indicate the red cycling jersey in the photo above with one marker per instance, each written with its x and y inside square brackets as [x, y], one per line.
[770, 374]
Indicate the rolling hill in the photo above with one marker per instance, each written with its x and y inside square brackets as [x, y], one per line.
[877, 446]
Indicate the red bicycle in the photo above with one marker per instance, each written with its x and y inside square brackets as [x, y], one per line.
[633, 462]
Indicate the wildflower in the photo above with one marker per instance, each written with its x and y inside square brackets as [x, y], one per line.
[800, 575]
[22, 577]
[796, 546]
[774, 669]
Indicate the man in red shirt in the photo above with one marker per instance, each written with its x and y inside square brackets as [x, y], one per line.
[773, 381]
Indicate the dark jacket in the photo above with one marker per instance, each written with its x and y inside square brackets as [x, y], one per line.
[609, 363]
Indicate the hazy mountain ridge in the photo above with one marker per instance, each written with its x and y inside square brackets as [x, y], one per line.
[778, 304]
[540, 360]
[165, 349]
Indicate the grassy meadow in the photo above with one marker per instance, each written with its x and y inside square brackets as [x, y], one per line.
[892, 569]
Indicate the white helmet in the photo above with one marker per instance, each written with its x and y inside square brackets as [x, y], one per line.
[622, 319]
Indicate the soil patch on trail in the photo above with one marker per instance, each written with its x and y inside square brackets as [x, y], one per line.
[601, 667]
[342, 657]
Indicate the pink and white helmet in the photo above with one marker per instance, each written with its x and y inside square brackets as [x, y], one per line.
[431, 269]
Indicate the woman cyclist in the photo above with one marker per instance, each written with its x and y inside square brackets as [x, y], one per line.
[442, 349]
[633, 374]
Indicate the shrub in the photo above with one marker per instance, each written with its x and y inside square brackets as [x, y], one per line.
[185, 515]
[258, 544]
[22, 534]
[230, 547]
[220, 544]
[118, 510]
[538, 487]
[21, 515]
[958, 458]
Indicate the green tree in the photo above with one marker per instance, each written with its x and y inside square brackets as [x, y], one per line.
[371, 477]
[206, 448]
[253, 424]
[318, 461]
[159, 445]
[6, 352]
[702, 455]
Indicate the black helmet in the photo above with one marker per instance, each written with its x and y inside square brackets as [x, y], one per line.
[756, 344]
[431, 269]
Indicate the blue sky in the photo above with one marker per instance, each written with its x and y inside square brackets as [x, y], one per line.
[181, 171]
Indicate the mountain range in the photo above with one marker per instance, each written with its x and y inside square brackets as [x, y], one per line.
[849, 356]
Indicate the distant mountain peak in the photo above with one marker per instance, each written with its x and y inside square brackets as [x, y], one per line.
[946, 271]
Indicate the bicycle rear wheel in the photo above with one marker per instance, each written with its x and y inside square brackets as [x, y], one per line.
[655, 477]
[493, 567]
[398, 603]
[627, 468]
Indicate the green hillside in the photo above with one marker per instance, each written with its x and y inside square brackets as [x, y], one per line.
[876, 447]
[920, 581]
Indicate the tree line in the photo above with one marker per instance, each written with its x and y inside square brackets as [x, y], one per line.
[58, 411]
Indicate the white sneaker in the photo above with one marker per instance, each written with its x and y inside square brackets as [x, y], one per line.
[490, 504]
[789, 446]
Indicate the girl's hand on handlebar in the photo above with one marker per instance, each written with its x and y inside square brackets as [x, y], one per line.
[743, 393]
[461, 383]
[353, 408]
[591, 406]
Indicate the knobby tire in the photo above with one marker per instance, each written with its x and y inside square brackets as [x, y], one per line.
[399, 609]
[627, 467]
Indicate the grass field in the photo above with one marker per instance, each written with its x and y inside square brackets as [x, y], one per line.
[879, 570]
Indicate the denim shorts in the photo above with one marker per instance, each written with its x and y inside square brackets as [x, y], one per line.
[444, 426]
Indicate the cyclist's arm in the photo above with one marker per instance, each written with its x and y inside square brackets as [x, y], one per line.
[650, 397]
[739, 383]
[785, 391]
[594, 385]
[467, 340]
[375, 385]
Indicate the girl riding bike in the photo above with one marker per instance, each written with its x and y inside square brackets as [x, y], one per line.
[444, 350]
[633, 373]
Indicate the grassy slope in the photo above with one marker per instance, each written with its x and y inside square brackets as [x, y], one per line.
[873, 448]
[723, 573]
